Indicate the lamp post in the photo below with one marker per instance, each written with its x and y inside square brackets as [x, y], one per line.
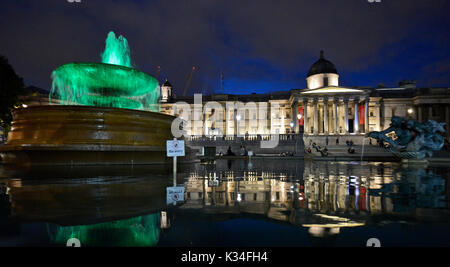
[410, 112]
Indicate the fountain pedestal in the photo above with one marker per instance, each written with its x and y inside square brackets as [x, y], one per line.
[85, 135]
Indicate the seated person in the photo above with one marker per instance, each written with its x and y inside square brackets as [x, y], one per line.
[242, 151]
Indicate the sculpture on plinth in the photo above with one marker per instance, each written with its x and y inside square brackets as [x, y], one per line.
[411, 139]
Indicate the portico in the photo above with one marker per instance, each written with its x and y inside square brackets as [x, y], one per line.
[334, 111]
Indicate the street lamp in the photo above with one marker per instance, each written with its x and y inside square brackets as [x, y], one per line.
[410, 110]
[299, 116]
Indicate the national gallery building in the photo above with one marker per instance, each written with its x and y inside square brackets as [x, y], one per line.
[322, 109]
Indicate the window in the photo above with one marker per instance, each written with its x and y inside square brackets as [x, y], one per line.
[254, 196]
[325, 81]
[278, 195]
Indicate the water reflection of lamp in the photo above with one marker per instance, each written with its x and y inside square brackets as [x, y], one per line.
[336, 222]
[165, 222]
[317, 231]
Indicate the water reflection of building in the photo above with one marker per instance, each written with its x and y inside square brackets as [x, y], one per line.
[330, 194]
[256, 192]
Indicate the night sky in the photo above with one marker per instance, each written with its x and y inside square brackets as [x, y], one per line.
[260, 46]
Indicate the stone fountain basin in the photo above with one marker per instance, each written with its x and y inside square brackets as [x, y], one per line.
[86, 135]
[105, 79]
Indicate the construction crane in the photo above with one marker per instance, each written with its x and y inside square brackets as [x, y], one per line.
[188, 81]
[157, 72]
[221, 82]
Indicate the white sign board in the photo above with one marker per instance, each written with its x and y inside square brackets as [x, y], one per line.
[175, 148]
[175, 194]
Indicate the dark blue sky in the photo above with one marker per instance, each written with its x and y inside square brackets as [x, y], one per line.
[259, 45]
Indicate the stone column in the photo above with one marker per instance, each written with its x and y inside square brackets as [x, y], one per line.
[325, 116]
[336, 118]
[366, 116]
[419, 115]
[356, 117]
[305, 116]
[294, 115]
[236, 122]
[346, 115]
[316, 116]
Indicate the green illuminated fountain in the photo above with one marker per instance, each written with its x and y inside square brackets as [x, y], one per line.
[108, 114]
[141, 231]
[112, 83]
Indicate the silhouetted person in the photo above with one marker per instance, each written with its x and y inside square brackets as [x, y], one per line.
[229, 152]
[351, 150]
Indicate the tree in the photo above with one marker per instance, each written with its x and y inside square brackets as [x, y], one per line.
[11, 87]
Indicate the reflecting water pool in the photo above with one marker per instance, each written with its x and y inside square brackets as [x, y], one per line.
[233, 203]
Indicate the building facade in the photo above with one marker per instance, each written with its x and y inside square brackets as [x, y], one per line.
[323, 109]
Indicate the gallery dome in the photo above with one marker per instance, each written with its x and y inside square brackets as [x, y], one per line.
[322, 66]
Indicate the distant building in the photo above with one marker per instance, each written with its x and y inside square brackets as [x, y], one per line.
[322, 109]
